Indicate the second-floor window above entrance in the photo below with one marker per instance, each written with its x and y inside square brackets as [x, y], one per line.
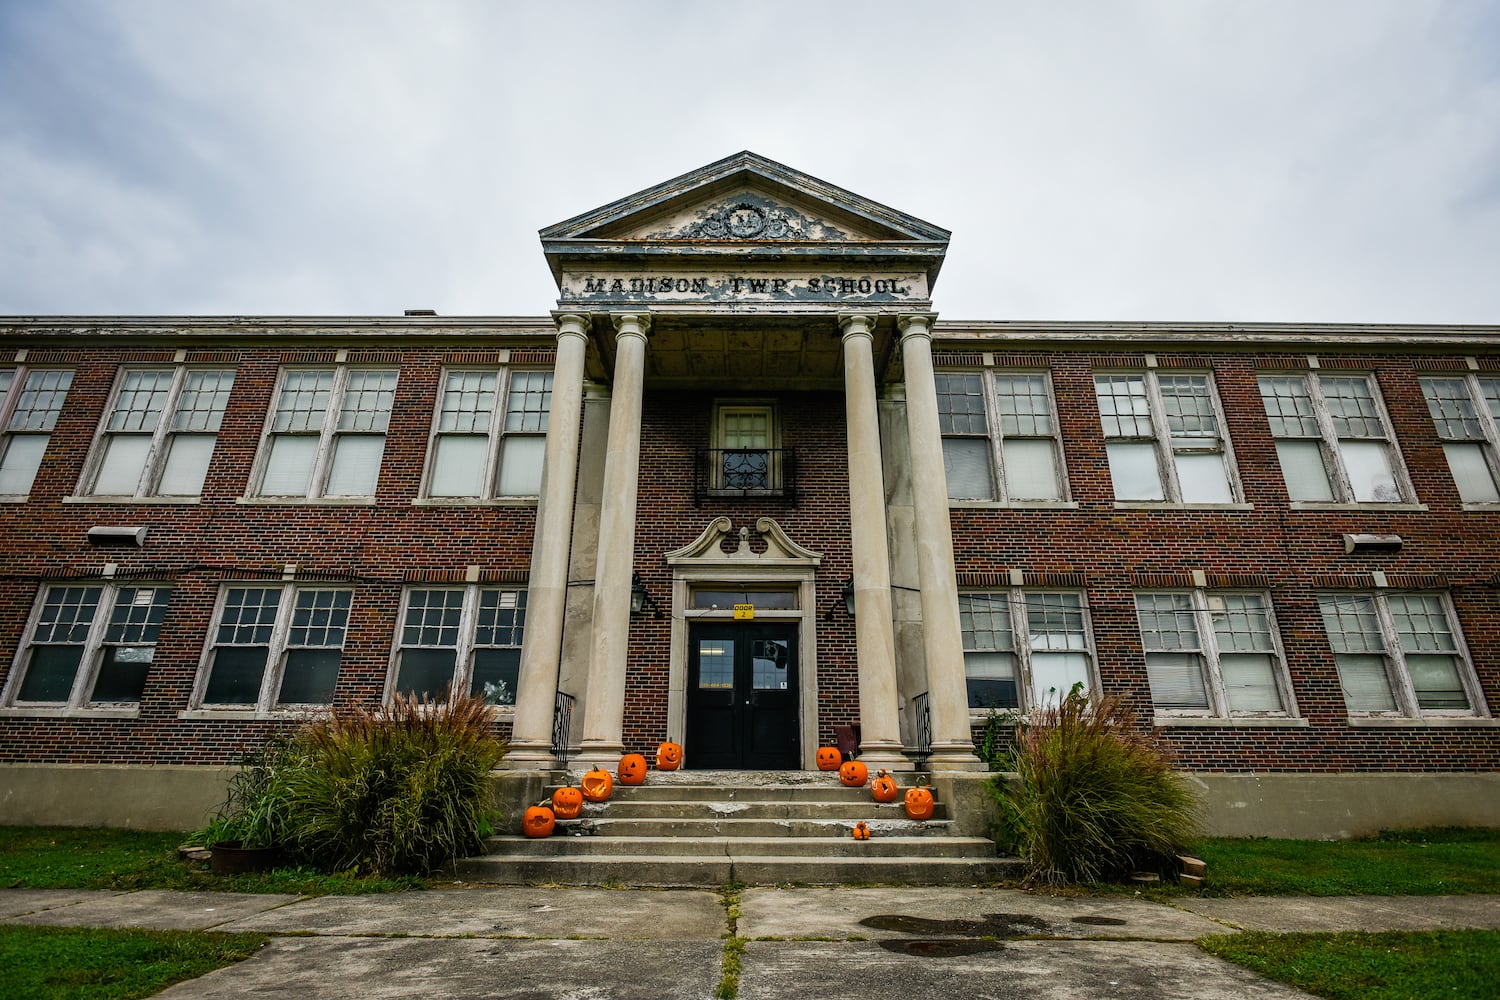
[746, 458]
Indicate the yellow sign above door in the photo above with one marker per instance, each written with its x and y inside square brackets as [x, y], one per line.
[746, 611]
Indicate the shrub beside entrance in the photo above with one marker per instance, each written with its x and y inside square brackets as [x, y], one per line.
[1096, 798]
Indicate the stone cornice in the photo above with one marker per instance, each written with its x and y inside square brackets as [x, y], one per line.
[1008, 334]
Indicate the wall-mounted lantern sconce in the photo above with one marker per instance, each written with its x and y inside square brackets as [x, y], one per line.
[849, 596]
[638, 596]
[121, 537]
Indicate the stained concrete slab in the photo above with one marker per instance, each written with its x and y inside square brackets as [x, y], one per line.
[15, 902]
[171, 911]
[968, 912]
[623, 915]
[1283, 914]
[335, 968]
[1009, 970]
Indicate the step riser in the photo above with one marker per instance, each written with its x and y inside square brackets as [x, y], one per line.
[670, 847]
[771, 828]
[852, 811]
[748, 793]
[749, 871]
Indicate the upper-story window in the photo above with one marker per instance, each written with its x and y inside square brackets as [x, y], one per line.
[159, 433]
[88, 645]
[30, 402]
[1400, 654]
[327, 432]
[1000, 438]
[1024, 648]
[465, 639]
[1164, 438]
[1212, 654]
[277, 645]
[483, 449]
[1333, 439]
[1465, 409]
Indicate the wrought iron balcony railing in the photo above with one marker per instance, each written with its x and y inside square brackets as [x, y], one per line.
[745, 472]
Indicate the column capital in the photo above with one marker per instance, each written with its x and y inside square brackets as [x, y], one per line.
[916, 324]
[631, 324]
[856, 324]
[571, 324]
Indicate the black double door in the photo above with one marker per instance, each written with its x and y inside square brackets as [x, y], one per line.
[742, 696]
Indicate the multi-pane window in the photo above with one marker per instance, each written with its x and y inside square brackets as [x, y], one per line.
[999, 436]
[275, 645]
[89, 645]
[465, 639]
[327, 432]
[30, 402]
[1163, 437]
[159, 434]
[745, 459]
[483, 449]
[1024, 648]
[1465, 409]
[1400, 654]
[1332, 438]
[1212, 654]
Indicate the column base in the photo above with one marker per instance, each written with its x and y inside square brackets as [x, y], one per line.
[605, 756]
[955, 757]
[528, 757]
[888, 756]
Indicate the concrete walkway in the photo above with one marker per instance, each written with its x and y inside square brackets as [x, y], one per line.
[602, 944]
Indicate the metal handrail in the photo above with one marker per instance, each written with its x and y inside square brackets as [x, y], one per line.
[562, 725]
[924, 723]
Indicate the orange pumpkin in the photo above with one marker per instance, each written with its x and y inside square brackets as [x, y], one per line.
[854, 773]
[567, 803]
[538, 821]
[668, 756]
[919, 804]
[597, 785]
[829, 758]
[632, 769]
[884, 788]
[861, 830]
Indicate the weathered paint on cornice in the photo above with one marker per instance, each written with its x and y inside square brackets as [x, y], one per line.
[1074, 334]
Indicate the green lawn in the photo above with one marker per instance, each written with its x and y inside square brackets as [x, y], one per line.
[1460, 965]
[99, 858]
[53, 963]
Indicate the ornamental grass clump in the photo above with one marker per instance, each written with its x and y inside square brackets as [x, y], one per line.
[1094, 798]
[399, 790]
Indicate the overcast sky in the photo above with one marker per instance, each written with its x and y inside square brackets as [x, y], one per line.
[1298, 160]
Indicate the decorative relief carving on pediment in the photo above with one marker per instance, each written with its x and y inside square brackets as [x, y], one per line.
[750, 217]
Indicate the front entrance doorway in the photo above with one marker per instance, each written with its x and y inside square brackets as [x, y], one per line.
[742, 696]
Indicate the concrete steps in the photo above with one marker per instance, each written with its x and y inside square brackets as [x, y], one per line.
[711, 828]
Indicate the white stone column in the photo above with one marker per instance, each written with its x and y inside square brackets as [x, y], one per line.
[604, 706]
[874, 633]
[547, 589]
[942, 636]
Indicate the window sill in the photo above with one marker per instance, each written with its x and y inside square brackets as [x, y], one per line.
[1318, 505]
[1013, 504]
[306, 501]
[250, 714]
[1483, 507]
[1165, 505]
[1233, 722]
[1421, 722]
[474, 502]
[14, 498]
[39, 712]
[121, 501]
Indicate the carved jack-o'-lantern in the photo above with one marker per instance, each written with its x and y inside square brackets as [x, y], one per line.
[538, 821]
[596, 785]
[919, 804]
[668, 756]
[829, 758]
[567, 803]
[884, 788]
[632, 769]
[854, 773]
[861, 830]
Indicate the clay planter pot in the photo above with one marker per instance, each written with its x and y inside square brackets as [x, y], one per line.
[229, 858]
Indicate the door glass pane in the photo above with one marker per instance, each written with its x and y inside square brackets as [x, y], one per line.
[236, 675]
[1471, 473]
[309, 677]
[124, 461]
[187, 465]
[1133, 471]
[356, 465]
[495, 675]
[1176, 680]
[1203, 478]
[1250, 682]
[771, 659]
[289, 467]
[458, 465]
[122, 673]
[1030, 470]
[23, 456]
[426, 672]
[1302, 468]
[966, 463]
[764, 600]
[716, 664]
[1369, 466]
[521, 466]
[49, 675]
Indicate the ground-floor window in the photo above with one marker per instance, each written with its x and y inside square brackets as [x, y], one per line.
[275, 645]
[1213, 654]
[463, 639]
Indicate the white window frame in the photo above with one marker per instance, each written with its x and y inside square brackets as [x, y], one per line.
[775, 481]
[1403, 691]
[91, 658]
[1209, 654]
[10, 404]
[1328, 439]
[466, 642]
[1015, 601]
[277, 647]
[995, 437]
[1167, 449]
[328, 435]
[495, 432]
[1485, 413]
[161, 436]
